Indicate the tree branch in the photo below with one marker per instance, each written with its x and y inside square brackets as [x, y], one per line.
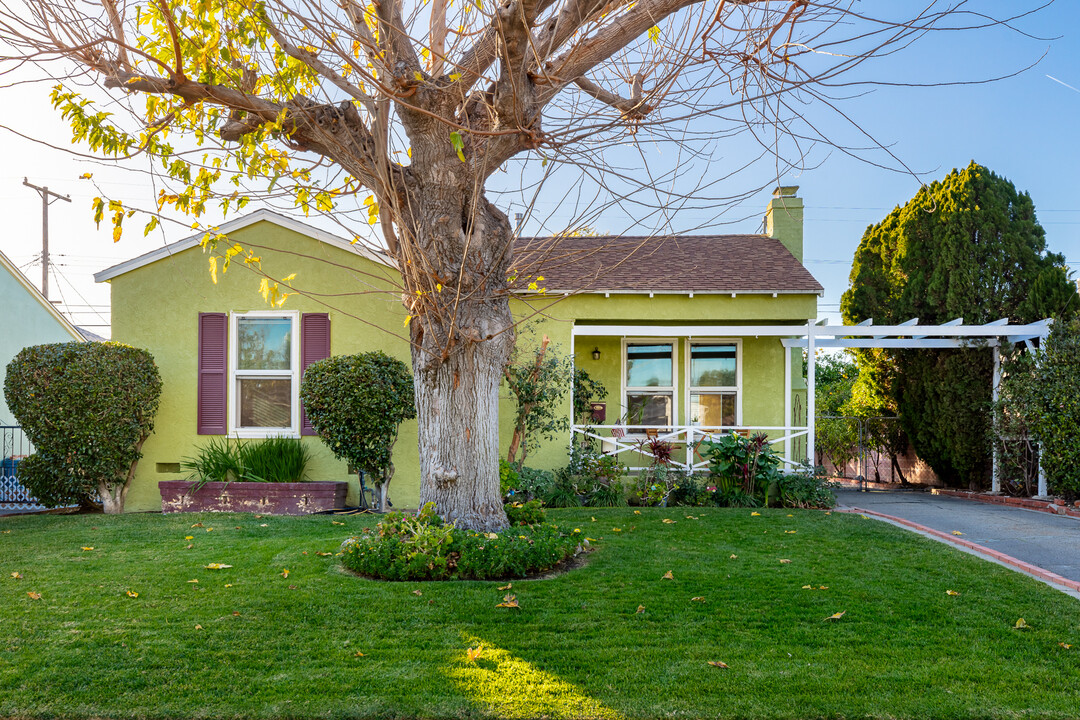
[632, 108]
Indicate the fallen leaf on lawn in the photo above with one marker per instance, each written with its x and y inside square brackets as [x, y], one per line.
[640, 609]
[236, 613]
[217, 566]
[197, 525]
[198, 627]
[189, 537]
[417, 593]
[733, 556]
[293, 587]
[823, 587]
[335, 522]
[132, 594]
[258, 517]
[509, 601]
[87, 549]
[473, 653]
[189, 547]
[262, 525]
[193, 580]
[807, 587]
[238, 528]
[791, 532]
[1020, 624]
[957, 532]
[718, 664]
[784, 561]
[577, 530]
[228, 584]
[668, 576]
[616, 529]
[790, 515]
[863, 516]
[285, 573]
[951, 592]
[755, 514]
[34, 595]
[209, 529]
[637, 512]
[837, 616]
[358, 654]
[17, 575]
[828, 512]
[668, 521]
[699, 598]
[1065, 645]
[322, 554]
[691, 517]
[507, 586]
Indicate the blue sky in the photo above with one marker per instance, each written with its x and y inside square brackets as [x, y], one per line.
[1025, 128]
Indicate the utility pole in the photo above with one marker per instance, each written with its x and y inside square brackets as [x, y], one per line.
[45, 193]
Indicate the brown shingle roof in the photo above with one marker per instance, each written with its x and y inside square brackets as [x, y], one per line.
[689, 263]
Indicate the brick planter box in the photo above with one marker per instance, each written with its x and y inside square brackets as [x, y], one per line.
[255, 497]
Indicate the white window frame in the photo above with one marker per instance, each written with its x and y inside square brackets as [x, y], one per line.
[674, 342]
[293, 374]
[703, 390]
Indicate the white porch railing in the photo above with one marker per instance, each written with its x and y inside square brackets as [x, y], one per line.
[632, 441]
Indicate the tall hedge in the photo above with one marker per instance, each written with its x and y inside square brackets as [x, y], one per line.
[968, 246]
[356, 403]
[87, 408]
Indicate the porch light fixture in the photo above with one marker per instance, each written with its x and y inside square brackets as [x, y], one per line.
[596, 353]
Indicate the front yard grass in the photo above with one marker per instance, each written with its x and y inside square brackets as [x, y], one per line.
[253, 640]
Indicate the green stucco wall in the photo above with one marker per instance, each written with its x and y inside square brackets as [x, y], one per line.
[157, 306]
[23, 322]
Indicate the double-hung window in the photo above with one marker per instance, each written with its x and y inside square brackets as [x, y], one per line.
[714, 384]
[265, 383]
[650, 383]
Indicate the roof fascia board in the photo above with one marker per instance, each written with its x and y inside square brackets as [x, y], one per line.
[225, 228]
[41, 299]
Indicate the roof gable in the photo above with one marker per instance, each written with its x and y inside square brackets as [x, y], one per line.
[673, 263]
[35, 294]
[232, 226]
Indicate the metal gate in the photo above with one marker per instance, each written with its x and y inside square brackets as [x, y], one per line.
[13, 448]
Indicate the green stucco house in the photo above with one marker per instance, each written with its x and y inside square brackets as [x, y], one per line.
[665, 323]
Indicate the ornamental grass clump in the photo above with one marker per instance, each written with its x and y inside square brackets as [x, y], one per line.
[273, 460]
[423, 547]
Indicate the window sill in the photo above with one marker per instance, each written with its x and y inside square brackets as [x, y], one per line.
[263, 433]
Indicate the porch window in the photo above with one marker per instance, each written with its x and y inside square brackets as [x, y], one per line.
[265, 372]
[650, 383]
[714, 384]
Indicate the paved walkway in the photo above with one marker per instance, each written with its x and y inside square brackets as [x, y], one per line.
[1046, 541]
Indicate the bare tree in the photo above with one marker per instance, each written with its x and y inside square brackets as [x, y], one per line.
[413, 105]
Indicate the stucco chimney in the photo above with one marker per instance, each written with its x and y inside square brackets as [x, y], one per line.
[784, 219]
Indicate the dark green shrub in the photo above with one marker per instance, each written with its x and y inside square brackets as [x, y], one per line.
[691, 492]
[530, 513]
[356, 403]
[538, 379]
[586, 390]
[87, 408]
[804, 490]
[275, 459]
[747, 465]
[564, 492]
[509, 481]
[422, 547]
[534, 484]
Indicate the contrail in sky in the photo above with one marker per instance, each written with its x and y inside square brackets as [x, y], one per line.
[1063, 83]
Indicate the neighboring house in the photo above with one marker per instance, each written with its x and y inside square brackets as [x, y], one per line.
[27, 318]
[650, 308]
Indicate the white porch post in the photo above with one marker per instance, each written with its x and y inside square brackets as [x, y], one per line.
[995, 481]
[787, 404]
[810, 404]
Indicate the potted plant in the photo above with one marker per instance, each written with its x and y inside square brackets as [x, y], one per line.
[264, 476]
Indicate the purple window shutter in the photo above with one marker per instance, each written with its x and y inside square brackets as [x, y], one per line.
[213, 374]
[314, 345]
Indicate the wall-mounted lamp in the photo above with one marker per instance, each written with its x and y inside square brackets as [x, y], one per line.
[596, 354]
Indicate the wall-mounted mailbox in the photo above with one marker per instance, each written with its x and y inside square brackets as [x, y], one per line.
[599, 411]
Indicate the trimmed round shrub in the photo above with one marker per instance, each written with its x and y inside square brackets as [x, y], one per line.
[87, 408]
[423, 547]
[356, 404]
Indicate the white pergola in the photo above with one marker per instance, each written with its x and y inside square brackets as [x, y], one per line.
[813, 336]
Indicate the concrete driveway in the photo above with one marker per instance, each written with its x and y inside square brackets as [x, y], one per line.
[1044, 540]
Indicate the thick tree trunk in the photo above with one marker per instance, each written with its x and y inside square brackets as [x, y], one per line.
[462, 333]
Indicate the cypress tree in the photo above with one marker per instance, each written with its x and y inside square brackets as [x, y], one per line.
[968, 246]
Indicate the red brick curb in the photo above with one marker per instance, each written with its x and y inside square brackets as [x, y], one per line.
[982, 550]
[1027, 503]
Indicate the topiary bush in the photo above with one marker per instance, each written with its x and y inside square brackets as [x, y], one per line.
[87, 408]
[356, 403]
[423, 547]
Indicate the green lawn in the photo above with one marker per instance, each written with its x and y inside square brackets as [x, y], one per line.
[247, 641]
